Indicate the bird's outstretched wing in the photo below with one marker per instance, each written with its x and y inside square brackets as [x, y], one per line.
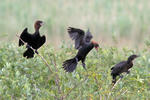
[77, 35]
[29, 53]
[41, 41]
[25, 36]
[88, 37]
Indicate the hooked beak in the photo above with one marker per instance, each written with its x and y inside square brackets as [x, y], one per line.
[96, 49]
[42, 23]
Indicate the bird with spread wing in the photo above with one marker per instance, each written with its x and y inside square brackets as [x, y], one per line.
[84, 45]
[33, 40]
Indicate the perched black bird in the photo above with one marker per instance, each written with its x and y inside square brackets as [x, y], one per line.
[33, 40]
[84, 46]
[121, 67]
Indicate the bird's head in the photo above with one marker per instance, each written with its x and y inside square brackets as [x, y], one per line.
[88, 36]
[38, 24]
[132, 57]
[96, 45]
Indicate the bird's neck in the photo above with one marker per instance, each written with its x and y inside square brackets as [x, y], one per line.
[86, 48]
[89, 47]
[130, 64]
[36, 31]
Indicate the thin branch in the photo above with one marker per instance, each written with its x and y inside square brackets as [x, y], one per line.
[36, 53]
[121, 94]
[56, 98]
[57, 78]
[124, 92]
[97, 85]
[115, 86]
[76, 87]
[100, 97]
[97, 82]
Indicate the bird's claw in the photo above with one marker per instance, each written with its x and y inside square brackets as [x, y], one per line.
[36, 52]
[113, 82]
[121, 76]
[28, 46]
[76, 59]
[128, 72]
[84, 66]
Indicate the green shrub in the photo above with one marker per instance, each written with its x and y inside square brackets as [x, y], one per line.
[22, 78]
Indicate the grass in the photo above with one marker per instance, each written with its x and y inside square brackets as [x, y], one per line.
[123, 20]
[22, 78]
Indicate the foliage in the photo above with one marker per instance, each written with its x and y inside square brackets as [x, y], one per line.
[125, 18]
[22, 78]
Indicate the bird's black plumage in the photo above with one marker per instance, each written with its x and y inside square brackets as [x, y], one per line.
[84, 45]
[79, 36]
[121, 67]
[70, 65]
[33, 40]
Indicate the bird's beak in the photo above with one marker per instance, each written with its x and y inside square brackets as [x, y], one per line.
[42, 23]
[96, 49]
[137, 56]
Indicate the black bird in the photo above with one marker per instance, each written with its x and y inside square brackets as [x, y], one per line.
[84, 45]
[121, 67]
[34, 40]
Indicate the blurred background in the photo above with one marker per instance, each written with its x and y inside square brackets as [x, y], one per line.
[121, 23]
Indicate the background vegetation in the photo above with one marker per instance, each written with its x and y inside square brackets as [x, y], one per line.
[120, 26]
[109, 20]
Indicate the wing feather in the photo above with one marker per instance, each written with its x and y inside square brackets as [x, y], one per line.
[41, 41]
[118, 67]
[77, 35]
[25, 36]
[88, 37]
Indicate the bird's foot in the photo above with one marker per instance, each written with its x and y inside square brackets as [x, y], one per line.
[76, 59]
[113, 81]
[84, 66]
[121, 76]
[128, 72]
[28, 46]
[36, 52]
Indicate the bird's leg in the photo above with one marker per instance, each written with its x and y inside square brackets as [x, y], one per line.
[36, 51]
[83, 63]
[84, 66]
[128, 72]
[114, 79]
[76, 59]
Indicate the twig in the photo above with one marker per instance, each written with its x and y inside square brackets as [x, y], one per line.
[121, 94]
[97, 82]
[76, 86]
[124, 92]
[36, 53]
[100, 98]
[97, 85]
[57, 78]
[114, 86]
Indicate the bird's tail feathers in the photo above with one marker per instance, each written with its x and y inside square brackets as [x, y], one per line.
[114, 78]
[29, 53]
[112, 68]
[70, 65]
